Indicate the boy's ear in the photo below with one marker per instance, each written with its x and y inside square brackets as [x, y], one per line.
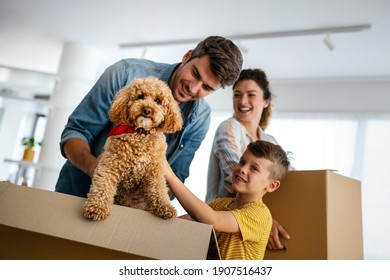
[273, 186]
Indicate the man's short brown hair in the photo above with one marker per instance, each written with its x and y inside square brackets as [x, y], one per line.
[225, 58]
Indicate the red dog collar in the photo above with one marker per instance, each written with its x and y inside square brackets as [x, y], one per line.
[124, 128]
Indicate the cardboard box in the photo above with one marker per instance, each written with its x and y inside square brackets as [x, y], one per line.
[322, 212]
[39, 224]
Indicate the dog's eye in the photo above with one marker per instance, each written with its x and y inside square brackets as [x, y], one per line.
[157, 100]
[141, 96]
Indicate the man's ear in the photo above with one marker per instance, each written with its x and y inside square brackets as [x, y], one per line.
[186, 56]
[273, 185]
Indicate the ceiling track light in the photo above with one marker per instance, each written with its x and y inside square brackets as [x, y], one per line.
[329, 44]
[144, 51]
[243, 48]
[278, 34]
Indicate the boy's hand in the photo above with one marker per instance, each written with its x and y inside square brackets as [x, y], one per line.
[168, 175]
[168, 172]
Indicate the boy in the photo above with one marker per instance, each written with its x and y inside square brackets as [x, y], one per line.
[243, 223]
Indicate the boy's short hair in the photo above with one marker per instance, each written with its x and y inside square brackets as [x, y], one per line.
[275, 154]
[225, 58]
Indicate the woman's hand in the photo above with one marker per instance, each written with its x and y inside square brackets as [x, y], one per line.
[274, 241]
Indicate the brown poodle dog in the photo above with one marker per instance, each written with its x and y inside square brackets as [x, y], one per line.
[134, 153]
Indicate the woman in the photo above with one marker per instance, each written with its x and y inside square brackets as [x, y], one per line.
[252, 112]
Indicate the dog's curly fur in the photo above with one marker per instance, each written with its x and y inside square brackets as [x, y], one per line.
[133, 163]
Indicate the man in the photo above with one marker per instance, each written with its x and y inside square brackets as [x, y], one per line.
[215, 62]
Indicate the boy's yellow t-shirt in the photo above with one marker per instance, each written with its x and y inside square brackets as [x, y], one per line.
[255, 222]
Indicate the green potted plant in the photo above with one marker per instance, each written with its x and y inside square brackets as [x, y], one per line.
[29, 143]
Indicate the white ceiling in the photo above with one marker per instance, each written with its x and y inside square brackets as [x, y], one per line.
[32, 33]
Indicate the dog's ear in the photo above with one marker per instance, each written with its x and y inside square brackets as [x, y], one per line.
[119, 112]
[173, 120]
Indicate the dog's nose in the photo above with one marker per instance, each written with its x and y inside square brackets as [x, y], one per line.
[147, 111]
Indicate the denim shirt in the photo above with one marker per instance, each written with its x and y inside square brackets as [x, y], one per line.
[90, 122]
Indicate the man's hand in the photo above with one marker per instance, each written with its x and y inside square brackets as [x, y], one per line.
[274, 240]
[92, 166]
[79, 154]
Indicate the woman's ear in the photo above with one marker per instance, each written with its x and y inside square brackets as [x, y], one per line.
[273, 185]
